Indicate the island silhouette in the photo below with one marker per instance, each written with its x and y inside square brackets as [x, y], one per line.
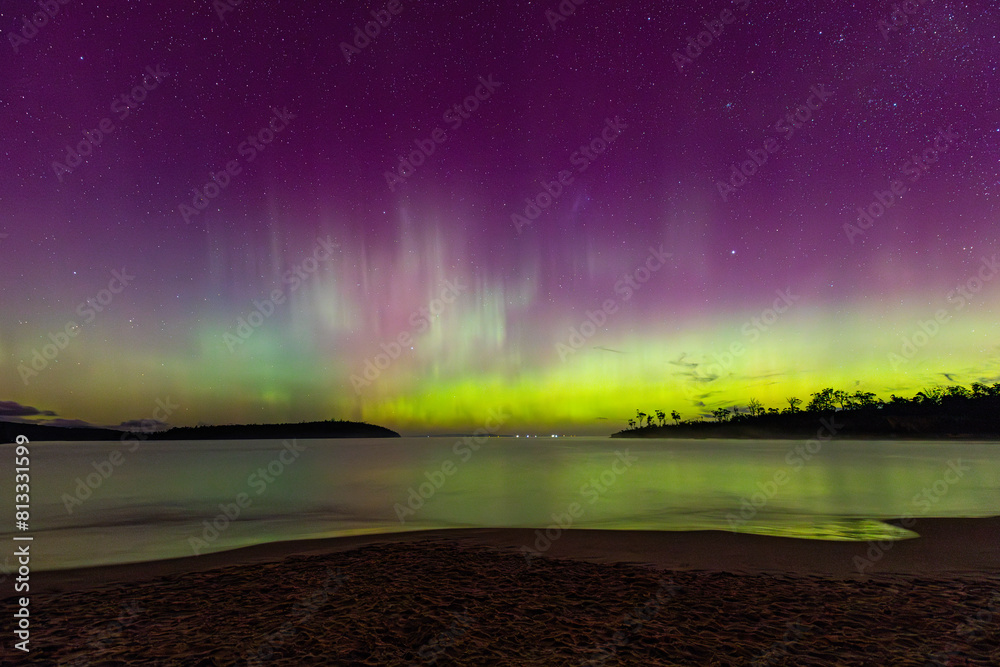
[304, 430]
[948, 412]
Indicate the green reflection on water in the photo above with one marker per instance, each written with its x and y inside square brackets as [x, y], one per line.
[842, 530]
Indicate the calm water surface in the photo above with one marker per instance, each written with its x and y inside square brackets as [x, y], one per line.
[91, 506]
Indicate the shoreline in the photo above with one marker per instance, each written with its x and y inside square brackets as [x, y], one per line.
[946, 547]
[470, 597]
[783, 435]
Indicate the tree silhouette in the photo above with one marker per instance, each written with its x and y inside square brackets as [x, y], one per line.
[929, 395]
[957, 391]
[944, 411]
[841, 397]
[720, 414]
[822, 401]
[897, 401]
[865, 399]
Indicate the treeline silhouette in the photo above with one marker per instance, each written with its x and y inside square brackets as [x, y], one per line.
[304, 430]
[953, 411]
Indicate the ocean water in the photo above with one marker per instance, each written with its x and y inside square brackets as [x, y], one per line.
[114, 502]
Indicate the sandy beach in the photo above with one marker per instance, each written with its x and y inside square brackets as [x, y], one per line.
[593, 597]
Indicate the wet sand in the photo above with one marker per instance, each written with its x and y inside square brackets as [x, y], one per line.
[594, 597]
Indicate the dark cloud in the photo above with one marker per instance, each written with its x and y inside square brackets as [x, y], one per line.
[680, 362]
[12, 411]
[15, 409]
[18, 420]
[77, 423]
[144, 425]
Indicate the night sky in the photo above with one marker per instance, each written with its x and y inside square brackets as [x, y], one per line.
[597, 213]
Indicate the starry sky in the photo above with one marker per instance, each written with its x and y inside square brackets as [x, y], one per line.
[259, 213]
